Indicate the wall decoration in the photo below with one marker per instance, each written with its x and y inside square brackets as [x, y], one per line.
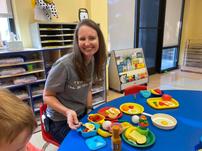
[33, 3]
[48, 7]
[83, 14]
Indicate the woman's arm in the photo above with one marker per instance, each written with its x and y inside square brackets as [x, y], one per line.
[50, 99]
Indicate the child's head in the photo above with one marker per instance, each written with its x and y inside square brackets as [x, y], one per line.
[17, 122]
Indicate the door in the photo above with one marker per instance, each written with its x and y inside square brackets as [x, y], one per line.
[172, 34]
[149, 30]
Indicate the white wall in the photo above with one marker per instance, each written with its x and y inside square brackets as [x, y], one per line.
[121, 14]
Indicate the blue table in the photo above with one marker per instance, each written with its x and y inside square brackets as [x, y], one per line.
[184, 137]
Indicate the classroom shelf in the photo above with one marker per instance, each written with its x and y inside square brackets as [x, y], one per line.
[36, 64]
[49, 35]
[127, 67]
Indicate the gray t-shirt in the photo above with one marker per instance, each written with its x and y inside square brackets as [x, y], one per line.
[70, 91]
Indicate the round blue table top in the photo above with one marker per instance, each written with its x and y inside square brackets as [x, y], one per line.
[184, 137]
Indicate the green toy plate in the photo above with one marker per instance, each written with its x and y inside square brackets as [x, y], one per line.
[150, 140]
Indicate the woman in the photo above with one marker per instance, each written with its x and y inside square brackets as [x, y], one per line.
[68, 86]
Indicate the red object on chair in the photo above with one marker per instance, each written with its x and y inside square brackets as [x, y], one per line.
[46, 136]
[134, 89]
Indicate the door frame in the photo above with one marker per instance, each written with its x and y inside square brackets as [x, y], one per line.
[179, 42]
[160, 34]
[160, 29]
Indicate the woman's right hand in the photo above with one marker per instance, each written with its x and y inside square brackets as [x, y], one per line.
[72, 119]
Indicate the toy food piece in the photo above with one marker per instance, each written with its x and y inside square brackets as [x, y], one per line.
[129, 130]
[134, 136]
[135, 119]
[137, 137]
[97, 118]
[156, 91]
[142, 125]
[162, 103]
[155, 104]
[150, 138]
[88, 127]
[125, 108]
[104, 133]
[116, 139]
[125, 125]
[106, 125]
[117, 125]
[112, 112]
[166, 97]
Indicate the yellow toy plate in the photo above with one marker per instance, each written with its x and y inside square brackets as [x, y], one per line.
[132, 108]
[159, 103]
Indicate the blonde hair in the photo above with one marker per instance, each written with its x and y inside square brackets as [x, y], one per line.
[15, 116]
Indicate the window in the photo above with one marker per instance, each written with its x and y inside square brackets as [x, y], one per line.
[4, 28]
[6, 19]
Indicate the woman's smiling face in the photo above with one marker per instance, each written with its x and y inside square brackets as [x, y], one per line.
[88, 41]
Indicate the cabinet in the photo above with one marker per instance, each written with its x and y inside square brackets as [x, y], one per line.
[24, 73]
[193, 56]
[127, 67]
[99, 93]
[52, 35]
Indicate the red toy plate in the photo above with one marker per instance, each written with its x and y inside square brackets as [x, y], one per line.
[102, 111]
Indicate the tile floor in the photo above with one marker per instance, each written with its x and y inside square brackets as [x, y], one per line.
[170, 80]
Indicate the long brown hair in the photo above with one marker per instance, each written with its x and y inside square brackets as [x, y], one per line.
[99, 56]
[15, 116]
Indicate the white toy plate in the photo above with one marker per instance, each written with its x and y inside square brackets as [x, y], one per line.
[163, 121]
